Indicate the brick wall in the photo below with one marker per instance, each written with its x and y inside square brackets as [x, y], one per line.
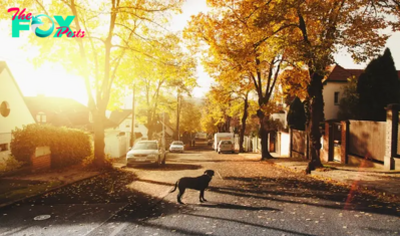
[41, 159]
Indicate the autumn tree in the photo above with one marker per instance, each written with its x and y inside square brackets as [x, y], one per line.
[349, 103]
[233, 37]
[112, 29]
[317, 29]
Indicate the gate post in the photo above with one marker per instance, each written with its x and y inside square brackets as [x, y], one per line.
[392, 125]
[344, 146]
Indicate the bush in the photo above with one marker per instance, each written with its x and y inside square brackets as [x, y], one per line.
[10, 164]
[67, 146]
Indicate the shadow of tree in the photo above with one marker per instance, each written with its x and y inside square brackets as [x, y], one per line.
[169, 167]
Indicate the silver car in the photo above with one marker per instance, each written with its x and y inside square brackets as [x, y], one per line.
[177, 146]
[146, 152]
[225, 146]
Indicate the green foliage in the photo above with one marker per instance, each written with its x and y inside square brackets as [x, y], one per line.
[296, 117]
[378, 86]
[10, 164]
[67, 146]
[349, 103]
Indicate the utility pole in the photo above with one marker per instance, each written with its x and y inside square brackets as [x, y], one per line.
[178, 113]
[132, 141]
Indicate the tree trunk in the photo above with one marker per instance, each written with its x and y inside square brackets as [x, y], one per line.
[243, 129]
[98, 128]
[264, 137]
[316, 116]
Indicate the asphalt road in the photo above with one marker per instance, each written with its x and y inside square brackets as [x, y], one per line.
[246, 197]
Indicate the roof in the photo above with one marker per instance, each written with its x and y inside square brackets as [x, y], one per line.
[117, 117]
[60, 111]
[340, 74]
[3, 66]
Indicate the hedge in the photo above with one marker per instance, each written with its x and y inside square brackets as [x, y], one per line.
[68, 146]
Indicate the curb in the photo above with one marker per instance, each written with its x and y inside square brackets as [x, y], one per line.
[47, 191]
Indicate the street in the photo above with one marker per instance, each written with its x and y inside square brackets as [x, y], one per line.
[245, 197]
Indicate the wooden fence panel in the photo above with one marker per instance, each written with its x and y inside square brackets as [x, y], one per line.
[367, 139]
[299, 141]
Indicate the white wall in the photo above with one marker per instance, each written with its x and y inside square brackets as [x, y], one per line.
[330, 109]
[19, 113]
[115, 145]
[281, 117]
[125, 126]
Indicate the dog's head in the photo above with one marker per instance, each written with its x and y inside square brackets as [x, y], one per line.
[209, 173]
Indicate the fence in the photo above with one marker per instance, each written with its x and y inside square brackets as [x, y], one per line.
[367, 139]
[298, 143]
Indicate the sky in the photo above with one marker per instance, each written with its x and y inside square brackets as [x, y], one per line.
[55, 81]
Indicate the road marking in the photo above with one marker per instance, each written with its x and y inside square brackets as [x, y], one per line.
[220, 175]
[109, 218]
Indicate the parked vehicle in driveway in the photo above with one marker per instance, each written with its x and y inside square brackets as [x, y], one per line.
[218, 137]
[177, 146]
[225, 146]
[146, 152]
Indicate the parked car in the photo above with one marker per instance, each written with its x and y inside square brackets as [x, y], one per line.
[146, 152]
[177, 146]
[225, 146]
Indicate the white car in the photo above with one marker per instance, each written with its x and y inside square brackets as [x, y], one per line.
[225, 146]
[146, 152]
[177, 146]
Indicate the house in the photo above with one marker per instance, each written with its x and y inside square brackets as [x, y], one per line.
[333, 86]
[117, 132]
[14, 112]
[59, 112]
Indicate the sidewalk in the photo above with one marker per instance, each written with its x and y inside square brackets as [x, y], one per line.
[370, 178]
[19, 187]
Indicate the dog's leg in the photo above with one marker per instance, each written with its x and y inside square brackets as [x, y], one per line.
[181, 192]
[202, 199]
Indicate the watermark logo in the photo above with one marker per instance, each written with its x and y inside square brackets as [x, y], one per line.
[20, 20]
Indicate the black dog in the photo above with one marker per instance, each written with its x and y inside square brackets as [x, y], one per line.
[198, 183]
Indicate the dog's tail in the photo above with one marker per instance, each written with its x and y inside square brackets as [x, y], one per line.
[175, 187]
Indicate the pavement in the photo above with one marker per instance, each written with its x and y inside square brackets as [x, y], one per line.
[16, 188]
[245, 197]
[362, 178]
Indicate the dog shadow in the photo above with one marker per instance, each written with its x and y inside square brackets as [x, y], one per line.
[235, 207]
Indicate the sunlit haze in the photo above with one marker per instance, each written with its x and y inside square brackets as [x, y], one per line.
[53, 80]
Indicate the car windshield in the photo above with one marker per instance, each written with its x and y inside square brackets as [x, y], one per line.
[145, 146]
[177, 143]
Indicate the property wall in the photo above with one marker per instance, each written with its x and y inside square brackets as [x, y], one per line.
[330, 109]
[19, 113]
[367, 139]
[115, 145]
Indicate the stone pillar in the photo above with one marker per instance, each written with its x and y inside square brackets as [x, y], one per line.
[290, 142]
[325, 148]
[344, 141]
[392, 124]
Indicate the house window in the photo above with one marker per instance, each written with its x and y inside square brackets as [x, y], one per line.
[4, 109]
[3, 147]
[41, 118]
[336, 98]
